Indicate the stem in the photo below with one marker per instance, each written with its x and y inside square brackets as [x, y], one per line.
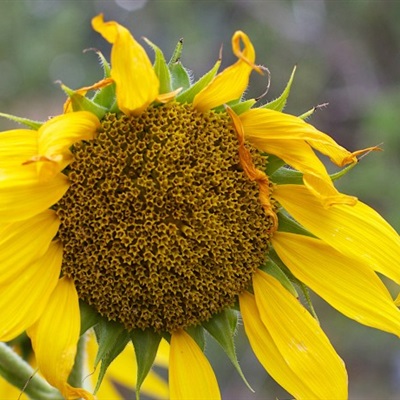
[20, 374]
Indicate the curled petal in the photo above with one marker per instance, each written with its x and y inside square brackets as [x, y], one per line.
[55, 336]
[357, 231]
[190, 374]
[56, 136]
[137, 84]
[293, 140]
[232, 81]
[346, 283]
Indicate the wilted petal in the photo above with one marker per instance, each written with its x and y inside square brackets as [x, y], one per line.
[137, 84]
[232, 81]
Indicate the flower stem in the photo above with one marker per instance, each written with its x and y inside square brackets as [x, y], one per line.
[20, 374]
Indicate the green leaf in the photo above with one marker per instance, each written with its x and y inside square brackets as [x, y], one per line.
[188, 95]
[146, 346]
[222, 328]
[161, 68]
[24, 121]
[272, 269]
[279, 103]
[197, 333]
[112, 338]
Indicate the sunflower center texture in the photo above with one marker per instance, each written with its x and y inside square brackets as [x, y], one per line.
[161, 228]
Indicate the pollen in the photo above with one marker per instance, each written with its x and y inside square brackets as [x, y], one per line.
[161, 227]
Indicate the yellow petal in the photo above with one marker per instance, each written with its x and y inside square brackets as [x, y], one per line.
[137, 84]
[262, 125]
[22, 243]
[232, 81]
[56, 136]
[295, 152]
[23, 300]
[10, 392]
[190, 374]
[17, 146]
[55, 336]
[299, 339]
[267, 353]
[347, 284]
[357, 231]
[23, 194]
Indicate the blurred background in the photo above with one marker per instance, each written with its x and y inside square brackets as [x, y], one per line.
[347, 53]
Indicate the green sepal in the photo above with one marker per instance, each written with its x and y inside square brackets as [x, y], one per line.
[89, 316]
[306, 293]
[272, 269]
[308, 113]
[105, 64]
[274, 163]
[161, 68]
[188, 95]
[24, 121]
[146, 345]
[342, 172]
[112, 337]
[82, 103]
[105, 97]
[243, 106]
[180, 77]
[287, 176]
[288, 224]
[275, 267]
[197, 333]
[222, 328]
[279, 103]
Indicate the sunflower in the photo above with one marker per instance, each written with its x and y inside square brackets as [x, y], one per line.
[162, 208]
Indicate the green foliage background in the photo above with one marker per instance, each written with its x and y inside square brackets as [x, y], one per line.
[347, 54]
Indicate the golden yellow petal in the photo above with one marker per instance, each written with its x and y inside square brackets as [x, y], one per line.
[24, 299]
[346, 283]
[23, 194]
[232, 81]
[22, 243]
[17, 146]
[137, 84]
[357, 231]
[299, 155]
[196, 382]
[55, 336]
[299, 338]
[58, 134]
[267, 353]
[262, 125]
